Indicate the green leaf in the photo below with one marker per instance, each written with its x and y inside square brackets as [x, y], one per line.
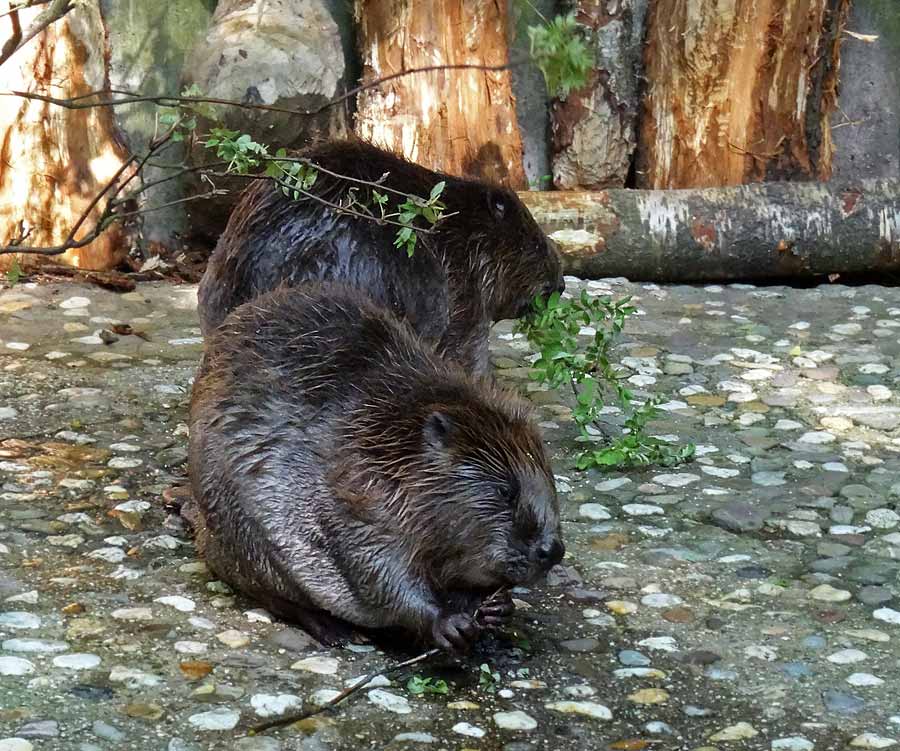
[14, 273]
[437, 190]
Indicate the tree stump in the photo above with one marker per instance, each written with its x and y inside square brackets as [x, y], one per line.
[458, 121]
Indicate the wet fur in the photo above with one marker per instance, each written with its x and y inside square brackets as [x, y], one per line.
[483, 264]
[341, 471]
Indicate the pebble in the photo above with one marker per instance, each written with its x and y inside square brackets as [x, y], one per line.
[642, 509]
[17, 619]
[34, 645]
[737, 732]
[216, 719]
[585, 708]
[661, 600]
[467, 729]
[872, 740]
[182, 604]
[15, 666]
[320, 665]
[15, 744]
[793, 743]
[887, 615]
[649, 696]
[842, 703]
[847, 657]
[269, 705]
[76, 661]
[594, 511]
[390, 702]
[515, 720]
[864, 679]
[633, 659]
[827, 593]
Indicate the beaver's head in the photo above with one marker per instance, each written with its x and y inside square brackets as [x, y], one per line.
[504, 247]
[482, 506]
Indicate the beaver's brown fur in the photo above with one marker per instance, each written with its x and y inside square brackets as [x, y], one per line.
[342, 471]
[486, 261]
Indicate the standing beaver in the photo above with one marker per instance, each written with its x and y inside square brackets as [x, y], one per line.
[485, 261]
[342, 472]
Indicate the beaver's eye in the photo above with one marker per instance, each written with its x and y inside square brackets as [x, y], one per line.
[497, 203]
[510, 492]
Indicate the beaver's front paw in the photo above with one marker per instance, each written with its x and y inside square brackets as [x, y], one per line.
[496, 610]
[455, 633]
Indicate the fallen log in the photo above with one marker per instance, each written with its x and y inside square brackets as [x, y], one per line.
[747, 232]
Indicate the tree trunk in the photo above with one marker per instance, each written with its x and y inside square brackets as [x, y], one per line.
[54, 161]
[739, 91]
[458, 121]
[595, 127]
[749, 232]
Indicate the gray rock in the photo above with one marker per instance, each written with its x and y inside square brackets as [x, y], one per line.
[740, 517]
[842, 703]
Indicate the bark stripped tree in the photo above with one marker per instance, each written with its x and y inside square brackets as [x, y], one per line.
[738, 91]
[458, 121]
[595, 127]
[54, 162]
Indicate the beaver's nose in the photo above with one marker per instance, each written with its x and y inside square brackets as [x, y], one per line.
[550, 552]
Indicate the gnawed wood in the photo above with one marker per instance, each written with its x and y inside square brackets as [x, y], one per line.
[458, 121]
[738, 92]
[748, 232]
[54, 161]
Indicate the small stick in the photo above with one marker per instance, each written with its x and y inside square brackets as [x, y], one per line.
[350, 690]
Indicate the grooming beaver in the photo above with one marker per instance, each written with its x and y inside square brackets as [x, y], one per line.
[485, 262]
[343, 473]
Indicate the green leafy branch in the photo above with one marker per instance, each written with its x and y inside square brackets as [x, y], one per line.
[554, 328]
[559, 49]
[419, 685]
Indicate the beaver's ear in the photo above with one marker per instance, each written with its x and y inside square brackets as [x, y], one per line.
[438, 430]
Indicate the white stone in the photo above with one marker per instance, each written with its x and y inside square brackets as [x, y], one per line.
[323, 696]
[257, 615]
[829, 594]
[269, 705]
[40, 646]
[133, 678]
[872, 740]
[585, 708]
[15, 666]
[659, 644]
[835, 467]
[722, 472]
[792, 743]
[390, 702]
[847, 329]
[74, 302]
[15, 744]
[887, 615]
[594, 511]
[817, 437]
[642, 509]
[178, 602]
[467, 729]
[124, 462]
[864, 679]
[8, 413]
[847, 656]
[110, 554]
[661, 600]
[788, 425]
[216, 719]
[18, 346]
[676, 479]
[612, 484]
[16, 619]
[77, 661]
[878, 392]
[738, 731]
[515, 720]
[133, 614]
[188, 647]
[883, 518]
[320, 665]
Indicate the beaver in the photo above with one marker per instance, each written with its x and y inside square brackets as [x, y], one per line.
[345, 475]
[485, 261]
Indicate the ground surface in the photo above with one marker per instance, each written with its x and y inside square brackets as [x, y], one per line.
[745, 601]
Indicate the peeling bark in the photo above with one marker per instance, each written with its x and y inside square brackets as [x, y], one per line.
[595, 128]
[458, 121]
[54, 161]
[760, 231]
[738, 91]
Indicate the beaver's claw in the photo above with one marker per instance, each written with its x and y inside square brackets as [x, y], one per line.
[496, 610]
[455, 633]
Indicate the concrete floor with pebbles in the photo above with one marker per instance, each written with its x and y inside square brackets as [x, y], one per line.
[747, 600]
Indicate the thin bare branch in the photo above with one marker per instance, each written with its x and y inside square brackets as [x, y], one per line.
[57, 9]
